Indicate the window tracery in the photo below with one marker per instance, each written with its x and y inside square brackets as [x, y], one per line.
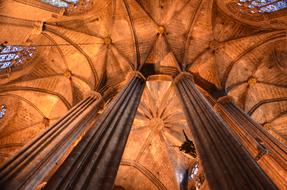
[3, 111]
[194, 171]
[60, 3]
[262, 6]
[11, 56]
[196, 177]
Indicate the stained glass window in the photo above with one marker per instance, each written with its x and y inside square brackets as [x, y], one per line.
[60, 3]
[3, 111]
[11, 56]
[194, 171]
[262, 6]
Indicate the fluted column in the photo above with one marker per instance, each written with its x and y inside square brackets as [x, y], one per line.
[270, 154]
[94, 162]
[38, 159]
[226, 164]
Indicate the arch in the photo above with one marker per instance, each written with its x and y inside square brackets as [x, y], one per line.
[19, 88]
[228, 89]
[58, 49]
[268, 101]
[282, 114]
[80, 50]
[25, 100]
[135, 39]
[191, 25]
[145, 172]
[250, 49]
[276, 20]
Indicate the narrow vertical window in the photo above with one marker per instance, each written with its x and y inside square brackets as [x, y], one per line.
[3, 111]
[194, 171]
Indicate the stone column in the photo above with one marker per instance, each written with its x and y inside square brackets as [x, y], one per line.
[269, 153]
[226, 164]
[94, 162]
[38, 159]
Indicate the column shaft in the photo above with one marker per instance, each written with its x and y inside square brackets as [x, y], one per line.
[270, 154]
[226, 164]
[94, 162]
[38, 159]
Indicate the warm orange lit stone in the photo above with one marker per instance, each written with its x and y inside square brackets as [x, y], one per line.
[267, 126]
[161, 30]
[108, 41]
[196, 33]
[68, 74]
[252, 81]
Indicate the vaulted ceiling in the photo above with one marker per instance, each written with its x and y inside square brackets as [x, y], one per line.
[93, 47]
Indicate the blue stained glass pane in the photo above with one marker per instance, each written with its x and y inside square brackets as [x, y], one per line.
[264, 6]
[3, 111]
[274, 7]
[72, 1]
[7, 57]
[56, 3]
[260, 3]
[19, 61]
[17, 56]
[14, 55]
[5, 65]
[194, 171]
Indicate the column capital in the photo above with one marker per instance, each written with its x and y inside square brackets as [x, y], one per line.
[46, 121]
[95, 94]
[138, 74]
[182, 75]
[267, 126]
[37, 27]
[216, 107]
[225, 99]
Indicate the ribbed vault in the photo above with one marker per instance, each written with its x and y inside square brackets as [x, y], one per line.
[152, 154]
[93, 47]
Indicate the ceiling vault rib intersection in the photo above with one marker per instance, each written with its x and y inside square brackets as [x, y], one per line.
[80, 50]
[250, 49]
